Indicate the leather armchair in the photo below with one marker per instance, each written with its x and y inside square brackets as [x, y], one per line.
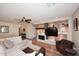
[65, 47]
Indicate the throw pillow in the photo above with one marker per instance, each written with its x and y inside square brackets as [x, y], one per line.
[28, 50]
[15, 40]
[8, 44]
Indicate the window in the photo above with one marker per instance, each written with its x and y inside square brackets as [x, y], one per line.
[4, 29]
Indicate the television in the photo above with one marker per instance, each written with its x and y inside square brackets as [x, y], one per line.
[50, 31]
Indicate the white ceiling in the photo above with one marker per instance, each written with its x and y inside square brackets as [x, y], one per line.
[35, 11]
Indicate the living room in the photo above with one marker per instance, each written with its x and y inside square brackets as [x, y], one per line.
[28, 21]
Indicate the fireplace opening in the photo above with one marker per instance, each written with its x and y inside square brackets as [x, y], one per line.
[42, 37]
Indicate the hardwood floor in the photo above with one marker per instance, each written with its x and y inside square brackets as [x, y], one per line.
[50, 49]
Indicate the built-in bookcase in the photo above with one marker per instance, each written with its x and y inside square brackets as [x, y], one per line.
[64, 28]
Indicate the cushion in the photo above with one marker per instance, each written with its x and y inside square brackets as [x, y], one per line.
[8, 44]
[15, 40]
[2, 50]
[67, 43]
[28, 50]
[31, 52]
[63, 45]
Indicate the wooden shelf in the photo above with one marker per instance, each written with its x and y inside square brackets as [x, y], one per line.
[40, 28]
[65, 33]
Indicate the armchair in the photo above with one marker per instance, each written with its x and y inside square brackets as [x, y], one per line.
[65, 47]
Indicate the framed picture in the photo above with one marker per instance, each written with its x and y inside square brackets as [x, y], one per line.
[4, 29]
[75, 24]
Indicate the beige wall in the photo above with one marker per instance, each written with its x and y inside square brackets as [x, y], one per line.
[75, 36]
[13, 30]
[30, 31]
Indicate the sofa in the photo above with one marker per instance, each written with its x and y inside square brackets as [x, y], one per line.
[13, 46]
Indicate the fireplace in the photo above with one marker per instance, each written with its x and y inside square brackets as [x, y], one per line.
[41, 37]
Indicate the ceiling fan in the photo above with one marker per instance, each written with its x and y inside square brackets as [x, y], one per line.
[25, 20]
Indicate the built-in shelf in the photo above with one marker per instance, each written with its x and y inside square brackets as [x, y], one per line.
[40, 28]
[65, 33]
[62, 25]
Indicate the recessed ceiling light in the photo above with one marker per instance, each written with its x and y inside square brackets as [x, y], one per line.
[56, 17]
[50, 4]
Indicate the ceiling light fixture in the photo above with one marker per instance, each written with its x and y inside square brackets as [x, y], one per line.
[50, 4]
[56, 17]
[25, 20]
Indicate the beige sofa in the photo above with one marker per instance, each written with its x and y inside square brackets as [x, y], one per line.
[15, 49]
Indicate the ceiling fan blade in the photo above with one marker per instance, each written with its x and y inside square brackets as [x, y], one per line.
[24, 20]
[28, 20]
